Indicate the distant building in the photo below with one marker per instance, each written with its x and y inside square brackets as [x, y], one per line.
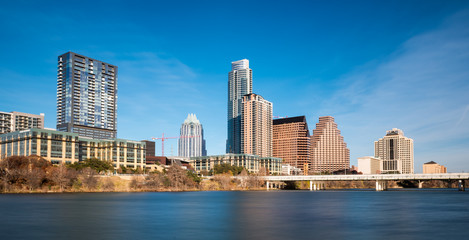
[86, 96]
[433, 167]
[239, 84]
[64, 147]
[191, 140]
[256, 122]
[17, 121]
[150, 147]
[329, 152]
[291, 142]
[252, 163]
[287, 169]
[369, 165]
[396, 152]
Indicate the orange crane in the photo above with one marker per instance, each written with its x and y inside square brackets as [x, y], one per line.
[164, 138]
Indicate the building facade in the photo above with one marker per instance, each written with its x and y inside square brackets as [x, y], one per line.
[64, 147]
[329, 151]
[396, 152]
[251, 163]
[256, 126]
[291, 142]
[433, 167]
[239, 84]
[86, 96]
[191, 140]
[17, 121]
[369, 165]
[150, 147]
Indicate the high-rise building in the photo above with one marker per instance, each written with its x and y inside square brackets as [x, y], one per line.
[17, 121]
[396, 152]
[86, 96]
[329, 151]
[369, 165]
[291, 142]
[191, 140]
[239, 84]
[256, 122]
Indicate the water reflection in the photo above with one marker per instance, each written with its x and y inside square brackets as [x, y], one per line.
[237, 215]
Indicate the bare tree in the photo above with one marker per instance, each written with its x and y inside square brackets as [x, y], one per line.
[89, 178]
[224, 180]
[59, 175]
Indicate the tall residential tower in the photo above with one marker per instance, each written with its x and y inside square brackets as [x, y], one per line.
[256, 122]
[239, 84]
[86, 96]
[191, 141]
[396, 152]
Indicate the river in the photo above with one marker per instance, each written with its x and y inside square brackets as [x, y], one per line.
[349, 214]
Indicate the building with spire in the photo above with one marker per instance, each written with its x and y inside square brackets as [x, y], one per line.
[396, 152]
[291, 142]
[329, 151]
[191, 141]
[239, 84]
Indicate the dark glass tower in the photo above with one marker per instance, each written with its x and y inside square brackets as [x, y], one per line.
[86, 96]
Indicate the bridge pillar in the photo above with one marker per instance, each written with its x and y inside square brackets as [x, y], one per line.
[267, 184]
[461, 185]
[311, 185]
[420, 184]
[381, 185]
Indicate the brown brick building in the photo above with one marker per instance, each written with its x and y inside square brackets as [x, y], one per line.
[291, 140]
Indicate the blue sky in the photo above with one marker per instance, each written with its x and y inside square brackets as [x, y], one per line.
[373, 66]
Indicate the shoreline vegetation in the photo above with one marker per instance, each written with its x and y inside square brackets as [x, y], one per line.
[33, 174]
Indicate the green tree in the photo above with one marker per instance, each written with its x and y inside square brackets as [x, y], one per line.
[98, 165]
[227, 168]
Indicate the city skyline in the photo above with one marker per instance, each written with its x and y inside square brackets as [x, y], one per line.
[364, 65]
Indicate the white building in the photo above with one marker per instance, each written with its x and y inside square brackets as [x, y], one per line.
[191, 141]
[17, 121]
[369, 165]
[396, 151]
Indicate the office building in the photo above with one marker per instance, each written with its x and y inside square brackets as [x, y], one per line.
[150, 147]
[191, 139]
[17, 121]
[291, 142]
[396, 151]
[256, 126]
[369, 165]
[65, 147]
[433, 167]
[329, 151]
[252, 163]
[239, 84]
[86, 96]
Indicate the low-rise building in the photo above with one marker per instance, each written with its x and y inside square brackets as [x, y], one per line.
[369, 165]
[433, 167]
[66, 147]
[252, 163]
[288, 169]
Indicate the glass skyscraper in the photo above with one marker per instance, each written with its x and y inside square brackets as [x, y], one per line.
[86, 96]
[239, 84]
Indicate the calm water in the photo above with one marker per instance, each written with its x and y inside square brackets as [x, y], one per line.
[442, 214]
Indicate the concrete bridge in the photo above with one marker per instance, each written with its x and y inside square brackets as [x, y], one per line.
[317, 182]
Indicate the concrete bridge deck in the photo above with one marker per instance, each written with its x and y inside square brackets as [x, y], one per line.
[317, 181]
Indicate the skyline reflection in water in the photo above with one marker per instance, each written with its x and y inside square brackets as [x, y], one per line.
[433, 214]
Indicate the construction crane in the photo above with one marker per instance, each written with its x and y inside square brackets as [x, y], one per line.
[164, 138]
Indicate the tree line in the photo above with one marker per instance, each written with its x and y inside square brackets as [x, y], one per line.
[35, 174]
